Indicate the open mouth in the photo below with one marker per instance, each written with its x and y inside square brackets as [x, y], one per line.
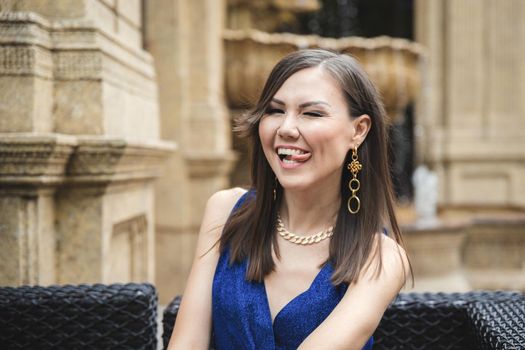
[292, 155]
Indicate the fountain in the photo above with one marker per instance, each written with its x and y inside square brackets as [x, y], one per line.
[391, 63]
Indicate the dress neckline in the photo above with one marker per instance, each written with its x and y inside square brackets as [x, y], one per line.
[295, 299]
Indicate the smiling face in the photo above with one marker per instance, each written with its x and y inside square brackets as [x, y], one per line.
[307, 131]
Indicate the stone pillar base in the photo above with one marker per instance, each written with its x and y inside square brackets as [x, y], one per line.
[435, 253]
[77, 209]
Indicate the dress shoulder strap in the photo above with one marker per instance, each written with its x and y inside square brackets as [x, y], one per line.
[248, 194]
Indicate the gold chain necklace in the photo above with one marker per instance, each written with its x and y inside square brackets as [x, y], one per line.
[303, 240]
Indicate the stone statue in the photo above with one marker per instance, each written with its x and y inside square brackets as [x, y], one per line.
[425, 195]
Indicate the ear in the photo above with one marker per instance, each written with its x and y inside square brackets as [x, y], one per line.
[362, 125]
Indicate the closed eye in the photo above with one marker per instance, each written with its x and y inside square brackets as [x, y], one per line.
[313, 114]
[274, 111]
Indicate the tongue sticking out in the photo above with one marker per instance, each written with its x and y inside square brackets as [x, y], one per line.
[299, 157]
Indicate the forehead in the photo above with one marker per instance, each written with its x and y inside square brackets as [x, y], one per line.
[311, 84]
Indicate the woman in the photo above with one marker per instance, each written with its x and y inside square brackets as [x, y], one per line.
[303, 259]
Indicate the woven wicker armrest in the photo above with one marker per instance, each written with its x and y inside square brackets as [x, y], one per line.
[432, 320]
[79, 317]
[499, 324]
[168, 319]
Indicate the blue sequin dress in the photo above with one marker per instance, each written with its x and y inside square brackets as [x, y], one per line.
[241, 312]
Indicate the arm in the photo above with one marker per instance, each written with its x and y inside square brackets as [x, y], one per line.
[193, 326]
[356, 317]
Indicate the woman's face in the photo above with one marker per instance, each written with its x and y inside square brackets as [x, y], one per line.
[307, 131]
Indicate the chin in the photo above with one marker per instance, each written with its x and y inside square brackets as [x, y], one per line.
[300, 185]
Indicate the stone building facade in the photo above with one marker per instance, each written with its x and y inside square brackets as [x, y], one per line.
[472, 112]
[80, 143]
[89, 120]
[471, 130]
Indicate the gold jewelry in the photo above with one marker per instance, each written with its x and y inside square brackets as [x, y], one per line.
[354, 183]
[302, 240]
[275, 189]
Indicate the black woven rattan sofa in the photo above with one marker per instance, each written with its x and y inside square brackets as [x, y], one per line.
[118, 316]
[435, 321]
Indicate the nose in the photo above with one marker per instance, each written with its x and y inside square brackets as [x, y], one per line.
[288, 128]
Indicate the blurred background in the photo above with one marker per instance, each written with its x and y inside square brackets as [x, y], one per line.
[115, 128]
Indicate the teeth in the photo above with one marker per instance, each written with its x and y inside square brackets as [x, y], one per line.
[289, 151]
[289, 161]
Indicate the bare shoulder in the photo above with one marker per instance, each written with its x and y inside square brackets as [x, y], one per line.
[220, 205]
[225, 199]
[392, 250]
[394, 259]
[218, 209]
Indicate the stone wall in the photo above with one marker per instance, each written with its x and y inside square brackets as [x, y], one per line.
[79, 143]
[470, 128]
[471, 119]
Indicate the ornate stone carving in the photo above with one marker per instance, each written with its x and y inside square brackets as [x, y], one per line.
[80, 51]
[82, 64]
[98, 159]
[34, 159]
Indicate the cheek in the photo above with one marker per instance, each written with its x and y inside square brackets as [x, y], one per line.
[334, 140]
[266, 133]
[332, 146]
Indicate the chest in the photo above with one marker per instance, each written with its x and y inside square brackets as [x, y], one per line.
[294, 273]
[288, 281]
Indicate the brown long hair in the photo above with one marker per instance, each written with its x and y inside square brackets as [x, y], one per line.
[250, 231]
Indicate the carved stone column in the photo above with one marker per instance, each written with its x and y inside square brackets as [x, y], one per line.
[470, 129]
[207, 143]
[472, 118]
[185, 38]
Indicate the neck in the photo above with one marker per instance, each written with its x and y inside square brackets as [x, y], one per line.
[309, 211]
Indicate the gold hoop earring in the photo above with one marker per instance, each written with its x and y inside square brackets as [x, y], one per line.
[354, 204]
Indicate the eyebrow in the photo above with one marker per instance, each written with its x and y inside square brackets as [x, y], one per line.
[302, 105]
